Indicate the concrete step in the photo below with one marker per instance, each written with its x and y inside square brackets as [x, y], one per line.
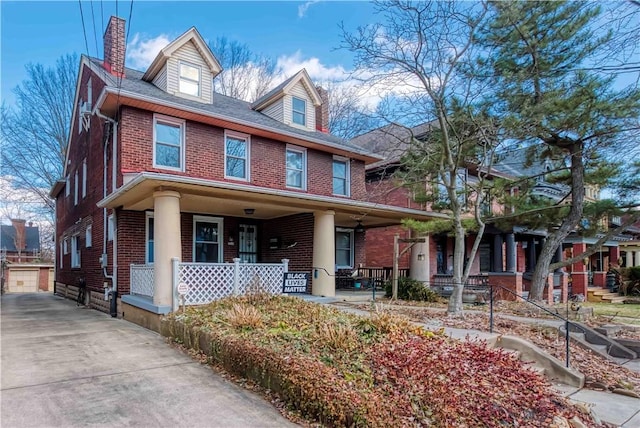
[616, 299]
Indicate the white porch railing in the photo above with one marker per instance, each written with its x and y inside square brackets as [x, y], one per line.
[141, 280]
[212, 281]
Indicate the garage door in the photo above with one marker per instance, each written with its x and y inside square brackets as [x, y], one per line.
[23, 281]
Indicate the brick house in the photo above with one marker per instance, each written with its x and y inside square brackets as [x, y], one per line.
[167, 182]
[504, 257]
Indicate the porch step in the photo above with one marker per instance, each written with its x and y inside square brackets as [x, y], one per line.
[616, 299]
[601, 295]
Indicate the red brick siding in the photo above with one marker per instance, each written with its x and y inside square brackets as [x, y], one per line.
[296, 228]
[204, 157]
[379, 247]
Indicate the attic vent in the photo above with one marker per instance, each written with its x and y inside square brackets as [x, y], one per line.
[85, 115]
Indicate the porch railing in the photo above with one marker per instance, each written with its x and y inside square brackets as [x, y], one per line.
[213, 281]
[141, 280]
[441, 280]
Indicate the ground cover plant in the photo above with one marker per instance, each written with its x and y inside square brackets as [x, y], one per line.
[381, 370]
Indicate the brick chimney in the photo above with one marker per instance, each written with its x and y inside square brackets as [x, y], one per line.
[322, 111]
[20, 239]
[114, 47]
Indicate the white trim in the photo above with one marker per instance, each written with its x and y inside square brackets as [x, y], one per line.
[171, 121]
[303, 152]
[352, 248]
[148, 215]
[84, 178]
[338, 201]
[347, 178]
[88, 236]
[220, 222]
[247, 159]
[67, 185]
[75, 251]
[111, 227]
[199, 81]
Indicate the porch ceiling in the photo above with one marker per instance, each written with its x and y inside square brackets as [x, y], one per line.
[230, 199]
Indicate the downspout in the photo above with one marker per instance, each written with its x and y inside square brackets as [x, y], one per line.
[114, 276]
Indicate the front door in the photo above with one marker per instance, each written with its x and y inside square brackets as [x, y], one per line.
[248, 239]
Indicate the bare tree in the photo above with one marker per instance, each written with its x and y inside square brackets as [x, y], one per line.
[35, 131]
[246, 76]
[348, 117]
[424, 49]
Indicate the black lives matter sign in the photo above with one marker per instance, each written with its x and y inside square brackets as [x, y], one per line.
[295, 282]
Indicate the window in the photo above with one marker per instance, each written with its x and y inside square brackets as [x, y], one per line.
[65, 246]
[75, 188]
[299, 111]
[87, 237]
[340, 176]
[189, 79]
[75, 251]
[84, 178]
[150, 233]
[67, 186]
[61, 255]
[344, 248]
[236, 156]
[296, 168]
[110, 228]
[207, 232]
[168, 142]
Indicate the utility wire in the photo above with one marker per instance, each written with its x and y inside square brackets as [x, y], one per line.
[84, 30]
[95, 36]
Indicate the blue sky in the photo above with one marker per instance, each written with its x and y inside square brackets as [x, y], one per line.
[297, 33]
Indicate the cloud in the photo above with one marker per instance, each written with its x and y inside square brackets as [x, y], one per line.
[290, 65]
[142, 51]
[302, 9]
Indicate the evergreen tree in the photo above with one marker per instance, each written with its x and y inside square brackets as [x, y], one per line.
[546, 97]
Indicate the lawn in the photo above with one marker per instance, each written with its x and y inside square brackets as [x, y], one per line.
[341, 369]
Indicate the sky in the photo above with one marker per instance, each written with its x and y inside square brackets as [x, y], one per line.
[296, 33]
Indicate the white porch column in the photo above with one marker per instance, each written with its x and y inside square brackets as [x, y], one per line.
[629, 262]
[637, 258]
[166, 244]
[419, 265]
[324, 254]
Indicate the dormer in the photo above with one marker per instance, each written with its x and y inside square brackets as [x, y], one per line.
[186, 68]
[293, 102]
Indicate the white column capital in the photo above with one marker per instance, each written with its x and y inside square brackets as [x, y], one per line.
[327, 212]
[160, 192]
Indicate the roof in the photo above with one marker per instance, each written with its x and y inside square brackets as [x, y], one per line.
[391, 141]
[8, 234]
[223, 106]
[284, 87]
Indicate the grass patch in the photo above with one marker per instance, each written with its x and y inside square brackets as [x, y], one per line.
[345, 370]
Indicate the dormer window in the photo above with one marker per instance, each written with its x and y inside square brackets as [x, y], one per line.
[299, 111]
[189, 79]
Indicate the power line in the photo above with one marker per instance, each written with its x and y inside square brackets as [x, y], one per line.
[84, 30]
[95, 37]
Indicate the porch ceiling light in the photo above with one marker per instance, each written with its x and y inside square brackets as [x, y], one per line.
[359, 227]
[249, 211]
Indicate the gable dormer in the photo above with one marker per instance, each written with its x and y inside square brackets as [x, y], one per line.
[186, 68]
[293, 102]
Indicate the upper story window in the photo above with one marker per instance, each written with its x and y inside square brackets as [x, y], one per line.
[236, 156]
[67, 186]
[75, 251]
[299, 111]
[296, 168]
[340, 176]
[111, 227]
[88, 237]
[75, 188]
[168, 143]
[189, 81]
[84, 178]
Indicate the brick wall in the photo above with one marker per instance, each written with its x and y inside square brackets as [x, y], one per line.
[204, 157]
[379, 247]
[296, 228]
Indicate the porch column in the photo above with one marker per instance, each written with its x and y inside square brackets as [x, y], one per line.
[614, 256]
[629, 258]
[511, 252]
[579, 278]
[166, 245]
[419, 264]
[558, 258]
[637, 258]
[497, 253]
[531, 255]
[324, 254]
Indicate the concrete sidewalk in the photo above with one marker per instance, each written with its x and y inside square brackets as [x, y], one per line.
[615, 409]
[66, 366]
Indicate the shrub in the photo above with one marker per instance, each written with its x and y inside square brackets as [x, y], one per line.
[411, 289]
[244, 316]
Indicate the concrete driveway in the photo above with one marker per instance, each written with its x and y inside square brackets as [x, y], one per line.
[64, 366]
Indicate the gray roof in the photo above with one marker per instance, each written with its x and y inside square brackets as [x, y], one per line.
[278, 88]
[222, 105]
[8, 234]
[391, 141]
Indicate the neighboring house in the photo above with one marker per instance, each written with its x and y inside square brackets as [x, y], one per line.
[166, 180]
[504, 257]
[21, 269]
